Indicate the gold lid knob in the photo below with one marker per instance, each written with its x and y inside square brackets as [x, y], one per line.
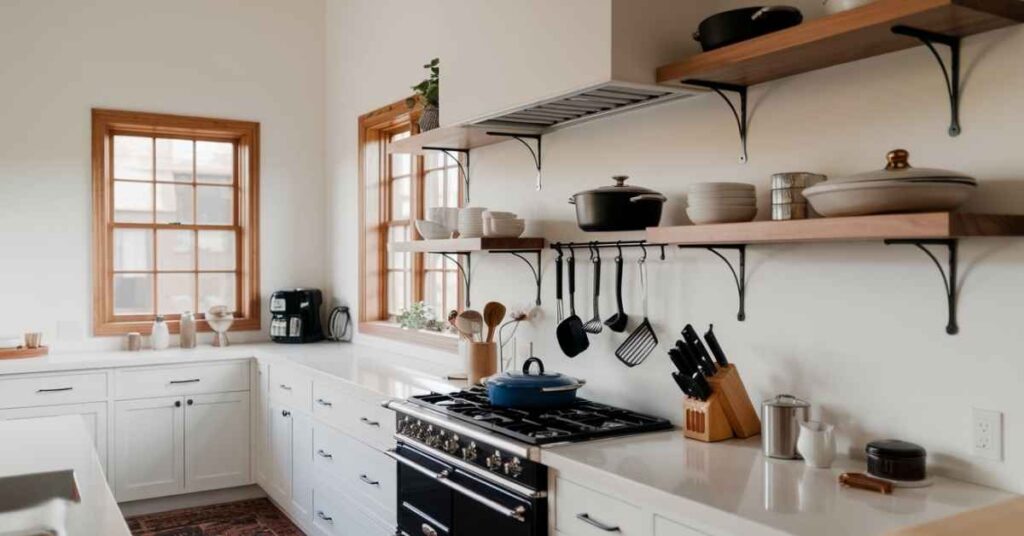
[897, 159]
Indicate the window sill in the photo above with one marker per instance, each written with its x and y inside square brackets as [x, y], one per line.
[438, 341]
[145, 327]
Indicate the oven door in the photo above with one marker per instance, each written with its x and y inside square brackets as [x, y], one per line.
[436, 499]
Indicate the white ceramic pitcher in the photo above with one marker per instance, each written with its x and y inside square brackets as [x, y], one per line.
[817, 444]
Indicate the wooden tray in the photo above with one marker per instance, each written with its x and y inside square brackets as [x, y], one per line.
[21, 352]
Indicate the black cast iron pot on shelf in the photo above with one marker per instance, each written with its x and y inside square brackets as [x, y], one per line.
[729, 27]
[618, 207]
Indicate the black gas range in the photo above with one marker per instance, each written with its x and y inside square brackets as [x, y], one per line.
[464, 464]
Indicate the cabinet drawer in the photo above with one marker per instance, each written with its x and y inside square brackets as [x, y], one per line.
[582, 511]
[664, 527]
[334, 513]
[52, 390]
[359, 470]
[182, 380]
[291, 387]
[362, 418]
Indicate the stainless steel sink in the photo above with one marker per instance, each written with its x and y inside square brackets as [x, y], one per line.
[22, 492]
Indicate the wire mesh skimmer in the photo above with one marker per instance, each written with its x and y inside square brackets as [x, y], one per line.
[642, 341]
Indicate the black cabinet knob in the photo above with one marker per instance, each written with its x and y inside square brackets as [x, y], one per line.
[177, 403]
[190, 401]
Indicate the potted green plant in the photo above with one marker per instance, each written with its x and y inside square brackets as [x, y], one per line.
[428, 91]
[419, 316]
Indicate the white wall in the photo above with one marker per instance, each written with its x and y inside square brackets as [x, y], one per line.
[855, 328]
[256, 60]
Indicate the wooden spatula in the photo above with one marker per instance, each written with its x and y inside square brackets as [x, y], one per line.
[494, 313]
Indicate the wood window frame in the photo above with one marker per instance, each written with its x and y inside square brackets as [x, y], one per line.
[375, 129]
[246, 137]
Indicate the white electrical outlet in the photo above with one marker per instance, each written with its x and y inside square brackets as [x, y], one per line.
[988, 434]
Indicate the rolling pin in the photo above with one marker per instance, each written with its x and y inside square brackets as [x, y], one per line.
[863, 481]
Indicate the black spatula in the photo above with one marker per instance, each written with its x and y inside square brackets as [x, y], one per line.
[617, 322]
[642, 341]
[571, 338]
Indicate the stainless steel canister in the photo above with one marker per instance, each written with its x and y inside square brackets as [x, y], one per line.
[781, 417]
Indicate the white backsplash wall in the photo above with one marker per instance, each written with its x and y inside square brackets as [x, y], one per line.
[857, 329]
[255, 60]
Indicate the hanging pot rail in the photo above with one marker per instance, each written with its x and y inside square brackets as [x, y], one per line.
[610, 244]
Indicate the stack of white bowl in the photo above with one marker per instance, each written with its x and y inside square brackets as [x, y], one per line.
[441, 222]
[502, 224]
[471, 222]
[721, 202]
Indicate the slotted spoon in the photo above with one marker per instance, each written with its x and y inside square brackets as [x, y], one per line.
[595, 325]
[642, 341]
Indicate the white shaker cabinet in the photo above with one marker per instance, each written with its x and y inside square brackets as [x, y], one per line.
[279, 453]
[217, 437]
[94, 416]
[302, 467]
[149, 448]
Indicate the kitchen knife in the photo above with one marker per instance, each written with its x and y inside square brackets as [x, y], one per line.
[685, 384]
[699, 351]
[691, 359]
[679, 361]
[716, 348]
[701, 387]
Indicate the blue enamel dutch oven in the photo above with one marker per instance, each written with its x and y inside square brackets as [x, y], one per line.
[532, 390]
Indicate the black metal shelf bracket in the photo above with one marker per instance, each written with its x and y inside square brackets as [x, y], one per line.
[951, 74]
[535, 153]
[466, 269]
[535, 268]
[949, 278]
[739, 277]
[741, 115]
[463, 170]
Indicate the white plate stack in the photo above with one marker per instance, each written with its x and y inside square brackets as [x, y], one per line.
[503, 224]
[471, 222]
[721, 202]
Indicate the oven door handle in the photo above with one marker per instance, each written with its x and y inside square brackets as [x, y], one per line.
[442, 477]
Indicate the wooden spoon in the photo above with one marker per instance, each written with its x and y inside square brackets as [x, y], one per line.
[470, 322]
[494, 313]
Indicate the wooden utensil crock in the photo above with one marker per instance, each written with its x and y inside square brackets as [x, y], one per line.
[483, 361]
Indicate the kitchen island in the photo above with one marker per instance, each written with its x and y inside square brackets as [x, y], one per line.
[57, 444]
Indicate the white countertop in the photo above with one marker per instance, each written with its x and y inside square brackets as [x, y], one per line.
[690, 480]
[56, 444]
[385, 372]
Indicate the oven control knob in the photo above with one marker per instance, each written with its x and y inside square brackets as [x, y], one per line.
[494, 461]
[432, 437]
[469, 453]
[405, 425]
[514, 467]
[451, 445]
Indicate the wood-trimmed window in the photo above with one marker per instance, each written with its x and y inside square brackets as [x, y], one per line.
[175, 219]
[396, 190]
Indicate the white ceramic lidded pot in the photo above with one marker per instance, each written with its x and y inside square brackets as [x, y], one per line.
[817, 444]
[160, 339]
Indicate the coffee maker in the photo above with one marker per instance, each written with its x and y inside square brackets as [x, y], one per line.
[296, 316]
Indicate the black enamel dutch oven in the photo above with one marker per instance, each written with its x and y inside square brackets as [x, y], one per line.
[532, 390]
[733, 26]
[618, 207]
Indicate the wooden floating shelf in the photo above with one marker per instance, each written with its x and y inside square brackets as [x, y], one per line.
[457, 138]
[468, 245]
[851, 35]
[931, 225]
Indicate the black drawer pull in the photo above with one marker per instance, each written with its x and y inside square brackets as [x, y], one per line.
[585, 517]
[324, 403]
[178, 382]
[323, 454]
[55, 390]
[285, 387]
[368, 422]
[286, 413]
[324, 517]
[368, 481]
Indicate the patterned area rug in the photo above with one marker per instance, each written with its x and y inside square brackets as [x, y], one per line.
[258, 517]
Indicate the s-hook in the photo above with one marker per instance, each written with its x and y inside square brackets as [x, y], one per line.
[740, 115]
[952, 74]
[740, 278]
[948, 280]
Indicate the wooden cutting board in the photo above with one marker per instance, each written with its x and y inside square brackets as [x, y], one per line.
[22, 352]
[1003, 519]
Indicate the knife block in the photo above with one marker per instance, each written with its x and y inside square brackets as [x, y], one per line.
[739, 411]
[705, 419]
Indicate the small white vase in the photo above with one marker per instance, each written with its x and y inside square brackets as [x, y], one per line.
[160, 339]
[817, 444]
